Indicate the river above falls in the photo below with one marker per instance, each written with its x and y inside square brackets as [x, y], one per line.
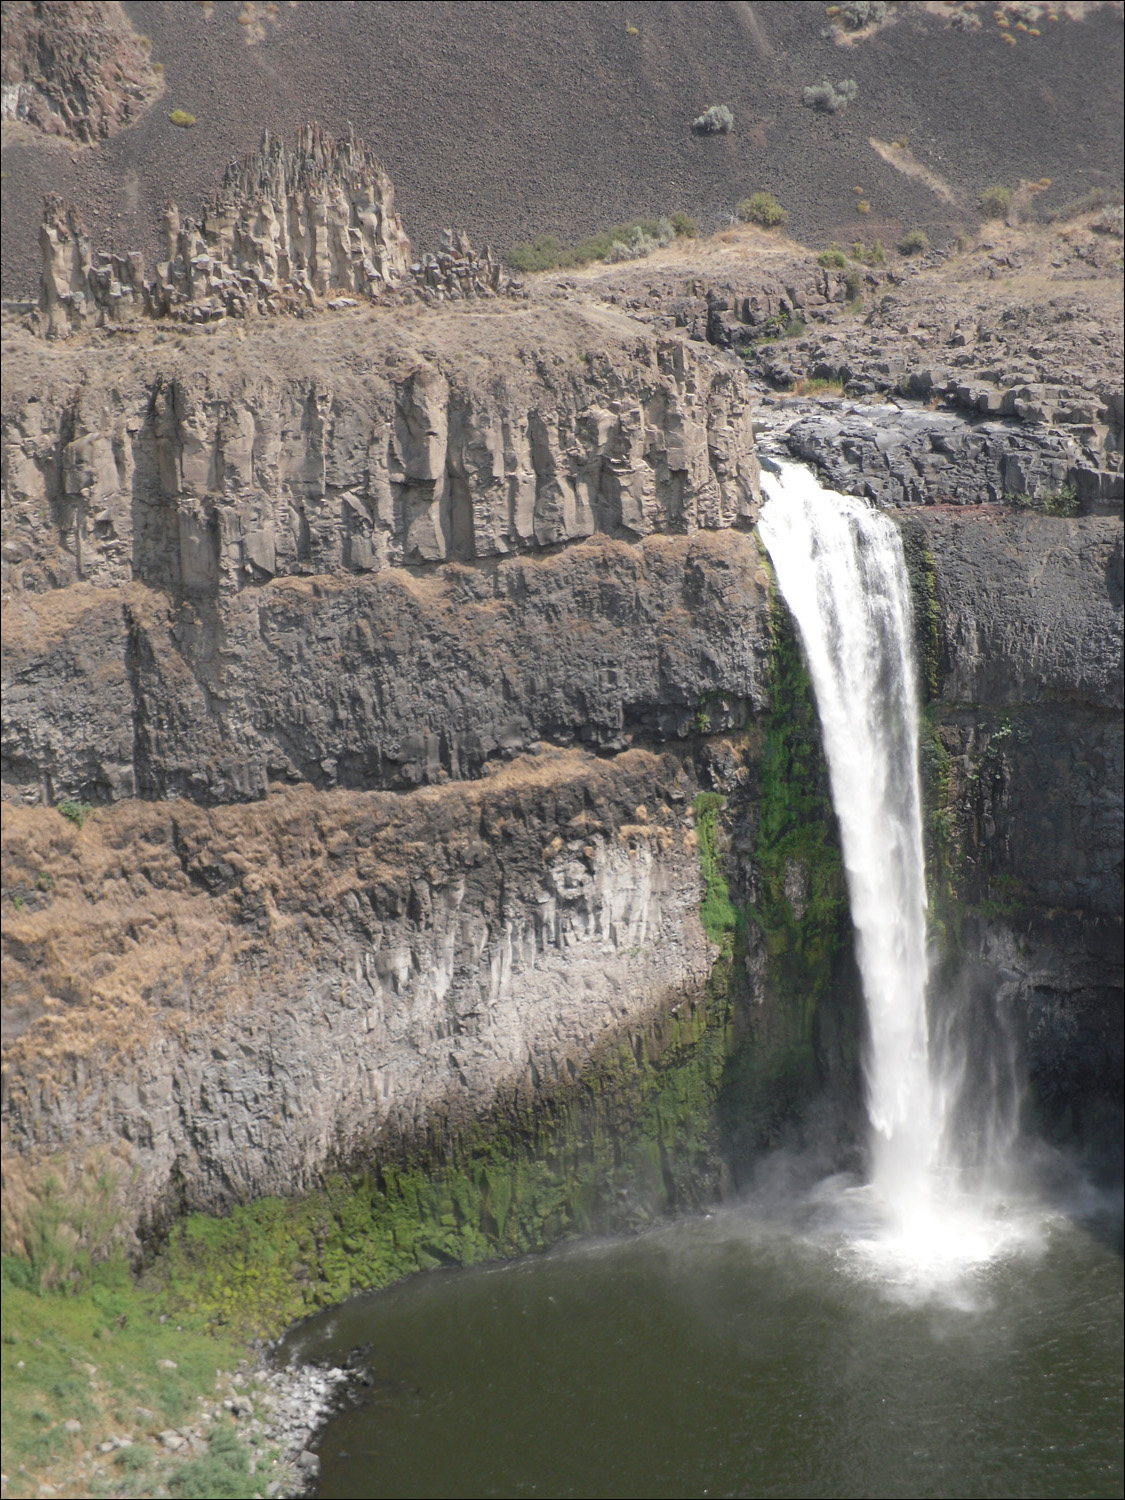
[748, 1352]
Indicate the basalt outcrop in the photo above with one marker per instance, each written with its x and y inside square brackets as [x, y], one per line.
[272, 988]
[411, 588]
[77, 72]
[995, 372]
[289, 231]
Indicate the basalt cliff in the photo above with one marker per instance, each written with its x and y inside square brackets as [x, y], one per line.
[389, 689]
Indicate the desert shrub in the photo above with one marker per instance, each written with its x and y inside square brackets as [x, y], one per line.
[855, 14]
[869, 255]
[541, 254]
[853, 284]
[622, 242]
[684, 226]
[716, 119]
[182, 118]
[1093, 198]
[829, 99]
[794, 327]
[763, 209]
[832, 259]
[1062, 502]
[863, 206]
[76, 812]
[914, 242]
[995, 201]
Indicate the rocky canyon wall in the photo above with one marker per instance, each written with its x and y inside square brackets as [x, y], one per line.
[373, 616]
[390, 652]
[1032, 766]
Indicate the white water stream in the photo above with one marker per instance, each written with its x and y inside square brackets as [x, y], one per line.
[841, 570]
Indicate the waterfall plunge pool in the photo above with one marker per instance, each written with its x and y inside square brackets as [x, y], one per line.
[755, 1351]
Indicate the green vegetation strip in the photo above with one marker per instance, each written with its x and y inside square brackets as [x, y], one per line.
[623, 242]
[92, 1352]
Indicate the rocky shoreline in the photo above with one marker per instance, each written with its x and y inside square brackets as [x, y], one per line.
[293, 1403]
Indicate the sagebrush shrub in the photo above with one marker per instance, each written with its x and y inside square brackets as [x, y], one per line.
[716, 119]
[828, 98]
[995, 201]
[763, 209]
[855, 14]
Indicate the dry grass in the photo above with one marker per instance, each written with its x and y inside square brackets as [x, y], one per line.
[141, 906]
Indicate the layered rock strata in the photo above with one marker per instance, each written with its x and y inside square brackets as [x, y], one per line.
[269, 989]
[404, 569]
[205, 471]
[396, 681]
[330, 644]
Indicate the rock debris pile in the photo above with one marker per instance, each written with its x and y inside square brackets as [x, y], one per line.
[289, 231]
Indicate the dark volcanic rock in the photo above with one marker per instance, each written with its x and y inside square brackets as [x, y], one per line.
[76, 71]
[520, 119]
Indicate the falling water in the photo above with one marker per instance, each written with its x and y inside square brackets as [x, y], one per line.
[840, 567]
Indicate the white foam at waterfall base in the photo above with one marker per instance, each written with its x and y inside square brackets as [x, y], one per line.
[840, 567]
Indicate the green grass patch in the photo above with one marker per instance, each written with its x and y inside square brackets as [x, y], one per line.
[88, 1351]
[818, 388]
[637, 238]
[224, 1474]
[76, 812]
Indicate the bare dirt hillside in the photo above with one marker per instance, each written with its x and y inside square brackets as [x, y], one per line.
[513, 119]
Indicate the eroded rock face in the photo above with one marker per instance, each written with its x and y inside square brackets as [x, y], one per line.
[290, 231]
[394, 681]
[900, 455]
[318, 977]
[209, 477]
[77, 70]
[287, 227]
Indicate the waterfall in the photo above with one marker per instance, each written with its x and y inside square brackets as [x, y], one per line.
[841, 570]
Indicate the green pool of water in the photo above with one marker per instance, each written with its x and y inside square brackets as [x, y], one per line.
[745, 1353]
